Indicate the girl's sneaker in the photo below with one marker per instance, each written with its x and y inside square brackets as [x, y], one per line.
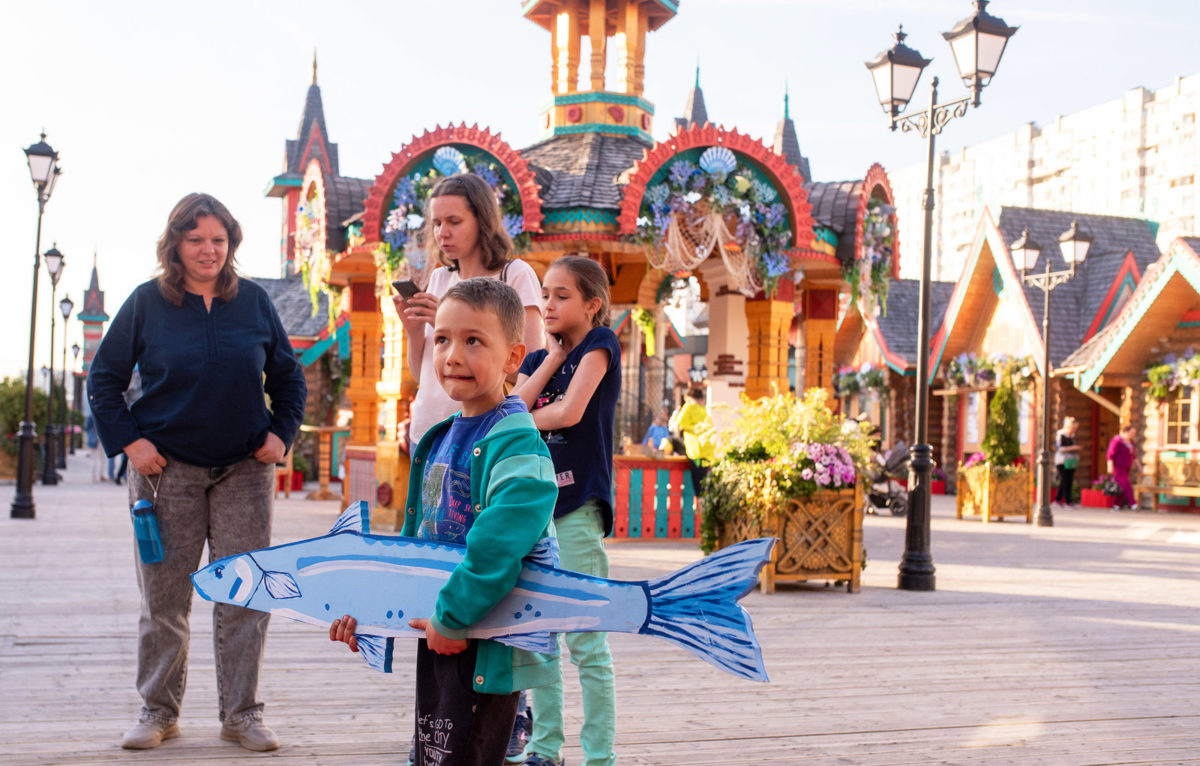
[522, 729]
[540, 760]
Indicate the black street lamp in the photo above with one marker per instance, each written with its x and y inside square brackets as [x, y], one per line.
[978, 43]
[65, 305]
[54, 265]
[1075, 245]
[44, 171]
[74, 366]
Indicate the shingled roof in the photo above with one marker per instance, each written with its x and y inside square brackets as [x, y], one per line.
[1075, 304]
[292, 303]
[344, 199]
[314, 114]
[835, 206]
[581, 170]
[899, 326]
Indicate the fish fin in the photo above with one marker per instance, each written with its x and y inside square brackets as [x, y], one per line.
[281, 585]
[544, 642]
[356, 518]
[545, 552]
[376, 651]
[696, 608]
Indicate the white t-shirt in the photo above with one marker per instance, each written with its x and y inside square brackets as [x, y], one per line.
[432, 406]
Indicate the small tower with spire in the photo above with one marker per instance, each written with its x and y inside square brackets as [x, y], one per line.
[787, 144]
[311, 142]
[694, 112]
[92, 317]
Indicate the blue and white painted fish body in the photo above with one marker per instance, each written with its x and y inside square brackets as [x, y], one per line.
[383, 581]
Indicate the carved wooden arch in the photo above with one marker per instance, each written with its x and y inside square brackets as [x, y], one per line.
[379, 196]
[785, 177]
[877, 179]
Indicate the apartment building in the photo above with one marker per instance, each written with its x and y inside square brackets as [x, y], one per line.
[1135, 156]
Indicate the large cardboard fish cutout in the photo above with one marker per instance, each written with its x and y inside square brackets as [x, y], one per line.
[383, 580]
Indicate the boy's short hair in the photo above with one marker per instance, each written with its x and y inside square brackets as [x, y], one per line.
[487, 294]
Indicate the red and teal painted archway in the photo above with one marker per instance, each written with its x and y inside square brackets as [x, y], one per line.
[468, 146]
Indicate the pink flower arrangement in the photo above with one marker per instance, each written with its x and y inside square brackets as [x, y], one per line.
[829, 465]
[978, 457]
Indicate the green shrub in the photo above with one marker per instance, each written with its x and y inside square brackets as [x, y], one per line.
[1001, 443]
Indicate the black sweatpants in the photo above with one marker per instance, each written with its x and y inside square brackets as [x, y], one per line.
[456, 725]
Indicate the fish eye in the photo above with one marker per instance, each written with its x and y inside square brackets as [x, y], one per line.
[219, 571]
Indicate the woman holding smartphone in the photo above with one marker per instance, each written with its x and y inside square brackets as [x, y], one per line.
[466, 233]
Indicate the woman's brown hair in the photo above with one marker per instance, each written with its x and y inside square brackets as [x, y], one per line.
[183, 219]
[494, 243]
[591, 280]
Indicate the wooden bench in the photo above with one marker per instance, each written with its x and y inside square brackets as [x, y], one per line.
[1175, 472]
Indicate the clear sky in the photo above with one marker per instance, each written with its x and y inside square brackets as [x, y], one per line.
[147, 101]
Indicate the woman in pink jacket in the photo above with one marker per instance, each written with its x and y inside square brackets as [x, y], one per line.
[1120, 461]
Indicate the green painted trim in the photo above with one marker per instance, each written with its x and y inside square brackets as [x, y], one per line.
[603, 97]
[1188, 270]
[316, 350]
[1184, 325]
[662, 497]
[580, 215]
[92, 317]
[595, 127]
[635, 502]
[688, 527]
[285, 181]
[826, 235]
[1126, 282]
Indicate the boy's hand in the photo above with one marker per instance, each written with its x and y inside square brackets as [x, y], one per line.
[437, 642]
[343, 630]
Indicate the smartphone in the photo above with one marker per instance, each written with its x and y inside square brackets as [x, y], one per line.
[406, 287]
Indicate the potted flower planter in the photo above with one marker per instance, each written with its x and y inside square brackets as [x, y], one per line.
[937, 486]
[1094, 498]
[820, 538]
[990, 493]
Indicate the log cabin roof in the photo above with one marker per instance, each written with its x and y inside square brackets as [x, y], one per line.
[581, 170]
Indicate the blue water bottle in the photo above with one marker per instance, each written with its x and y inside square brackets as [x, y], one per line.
[145, 528]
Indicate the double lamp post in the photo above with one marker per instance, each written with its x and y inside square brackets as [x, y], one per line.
[977, 43]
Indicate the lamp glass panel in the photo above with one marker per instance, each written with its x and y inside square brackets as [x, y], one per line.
[53, 264]
[991, 48]
[39, 167]
[1030, 256]
[66, 304]
[963, 48]
[904, 82]
[1075, 250]
[883, 84]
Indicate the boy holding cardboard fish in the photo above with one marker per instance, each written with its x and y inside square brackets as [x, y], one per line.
[482, 478]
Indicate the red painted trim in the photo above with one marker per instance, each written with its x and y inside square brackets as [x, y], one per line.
[1128, 266]
[785, 177]
[621, 512]
[342, 319]
[575, 236]
[306, 155]
[877, 178]
[649, 517]
[675, 504]
[1191, 316]
[380, 195]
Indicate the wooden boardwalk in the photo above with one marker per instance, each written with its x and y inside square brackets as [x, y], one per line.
[1078, 644]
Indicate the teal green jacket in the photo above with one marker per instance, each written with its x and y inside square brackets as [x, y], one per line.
[513, 492]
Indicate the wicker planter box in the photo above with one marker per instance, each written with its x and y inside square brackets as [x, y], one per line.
[1094, 498]
[820, 538]
[984, 493]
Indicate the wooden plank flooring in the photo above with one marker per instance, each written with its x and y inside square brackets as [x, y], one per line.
[1078, 644]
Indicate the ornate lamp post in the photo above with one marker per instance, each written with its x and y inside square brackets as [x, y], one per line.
[1075, 245]
[74, 365]
[54, 265]
[44, 171]
[65, 305]
[978, 43]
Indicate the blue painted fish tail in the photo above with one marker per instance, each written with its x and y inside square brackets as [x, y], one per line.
[697, 608]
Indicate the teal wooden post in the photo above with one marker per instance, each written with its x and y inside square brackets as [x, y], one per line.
[662, 497]
[635, 502]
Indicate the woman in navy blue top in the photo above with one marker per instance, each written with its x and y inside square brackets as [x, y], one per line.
[202, 443]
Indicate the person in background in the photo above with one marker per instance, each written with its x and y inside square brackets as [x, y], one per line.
[202, 446]
[692, 422]
[99, 464]
[657, 432]
[1121, 454]
[1066, 460]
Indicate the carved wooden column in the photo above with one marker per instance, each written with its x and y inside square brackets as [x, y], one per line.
[366, 335]
[767, 321]
[820, 330]
[596, 32]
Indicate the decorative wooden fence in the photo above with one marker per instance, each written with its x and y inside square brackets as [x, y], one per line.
[654, 498]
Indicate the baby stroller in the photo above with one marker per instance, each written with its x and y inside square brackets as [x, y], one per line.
[884, 490]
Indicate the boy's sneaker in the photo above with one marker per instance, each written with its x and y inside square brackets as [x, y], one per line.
[251, 734]
[540, 760]
[522, 728]
[149, 734]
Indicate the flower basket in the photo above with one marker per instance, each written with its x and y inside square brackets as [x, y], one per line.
[990, 492]
[1094, 498]
[820, 538]
[937, 487]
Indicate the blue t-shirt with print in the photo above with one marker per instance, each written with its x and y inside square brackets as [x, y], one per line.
[582, 453]
[446, 483]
